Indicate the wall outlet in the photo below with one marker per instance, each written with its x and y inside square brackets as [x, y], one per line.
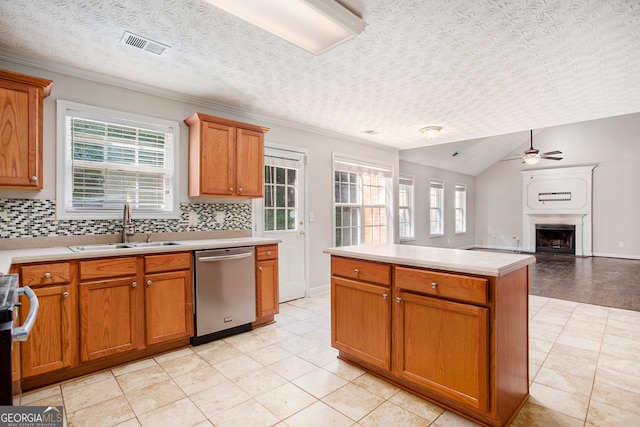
[193, 219]
[219, 217]
[3, 214]
[621, 244]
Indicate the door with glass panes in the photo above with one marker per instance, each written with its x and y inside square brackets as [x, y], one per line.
[283, 218]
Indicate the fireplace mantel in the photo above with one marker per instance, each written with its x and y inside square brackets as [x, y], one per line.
[558, 196]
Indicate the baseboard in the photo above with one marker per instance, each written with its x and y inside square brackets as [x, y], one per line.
[622, 256]
[319, 291]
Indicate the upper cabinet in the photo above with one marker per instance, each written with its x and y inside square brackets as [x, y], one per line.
[226, 158]
[21, 108]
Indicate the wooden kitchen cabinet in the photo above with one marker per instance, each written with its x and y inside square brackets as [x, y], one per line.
[52, 343]
[168, 295]
[455, 338]
[111, 308]
[267, 291]
[226, 157]
[21, 114]
[443, 346]
[361, 310]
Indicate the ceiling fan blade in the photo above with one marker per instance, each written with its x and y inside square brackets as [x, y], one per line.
[508, 160]
[551, 158]
[551, 153]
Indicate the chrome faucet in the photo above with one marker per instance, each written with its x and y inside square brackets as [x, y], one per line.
[126, 223]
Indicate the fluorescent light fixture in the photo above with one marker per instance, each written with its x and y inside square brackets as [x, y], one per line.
[314, 25]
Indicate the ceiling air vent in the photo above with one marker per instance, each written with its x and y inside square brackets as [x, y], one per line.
[143, 43]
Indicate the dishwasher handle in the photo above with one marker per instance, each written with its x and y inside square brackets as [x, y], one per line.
[22, 333]
[224, 257]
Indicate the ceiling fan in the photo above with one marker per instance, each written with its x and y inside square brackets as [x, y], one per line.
[533, 155]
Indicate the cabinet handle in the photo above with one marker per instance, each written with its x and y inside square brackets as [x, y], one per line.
[47, 275]
[356, 271]
[260, 268]
[268, 253]
[384, 296]
[148, 282]
[240, 189]
[398, 299]
[434, 285]
[230, 188]
[134, 284]
[65, 294]
[34, 178]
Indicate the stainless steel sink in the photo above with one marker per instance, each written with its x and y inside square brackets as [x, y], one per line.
[151, 244]
[115, 246]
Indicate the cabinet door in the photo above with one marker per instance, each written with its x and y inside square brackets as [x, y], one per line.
[20, 123]
[361, 320]
[217, 160]
[250, 163]
[52, 341]
[443, 346]
[111, 317]
[169, 306]
[267, 288]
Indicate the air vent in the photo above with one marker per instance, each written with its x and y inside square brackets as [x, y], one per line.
[143, 43]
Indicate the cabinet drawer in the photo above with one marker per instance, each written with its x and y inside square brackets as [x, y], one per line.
[366, 271]
[454, 286]
[167, 262]
[266, 252]
[45, 274]
[108, 267]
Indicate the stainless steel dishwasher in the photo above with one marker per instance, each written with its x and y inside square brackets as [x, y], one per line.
[224, 293]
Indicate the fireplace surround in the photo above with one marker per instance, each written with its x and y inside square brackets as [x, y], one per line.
[558, 196]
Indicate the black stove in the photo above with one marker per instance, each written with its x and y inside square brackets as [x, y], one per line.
[8, 312]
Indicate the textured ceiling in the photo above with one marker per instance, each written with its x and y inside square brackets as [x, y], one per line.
[476, 68]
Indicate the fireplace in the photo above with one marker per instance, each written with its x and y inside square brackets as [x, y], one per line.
[555, 238]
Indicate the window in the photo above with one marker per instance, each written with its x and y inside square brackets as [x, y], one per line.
[436, 208]
[461, 208]
[405, 208]
[361, 202]
[109, 158]
[280, 195]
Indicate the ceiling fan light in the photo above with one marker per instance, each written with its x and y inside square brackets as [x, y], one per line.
[531, 160]
[431, 131]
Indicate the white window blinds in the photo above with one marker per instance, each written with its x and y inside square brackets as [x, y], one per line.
[110, 161]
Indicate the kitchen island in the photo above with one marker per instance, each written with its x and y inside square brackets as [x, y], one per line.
[449, 325]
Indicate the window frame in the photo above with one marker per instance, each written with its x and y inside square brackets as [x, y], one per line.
[438, 185]
[409, 181]
[462, 208]
[64, 163]
[356, 165]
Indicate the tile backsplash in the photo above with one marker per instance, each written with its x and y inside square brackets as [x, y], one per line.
[37, 218]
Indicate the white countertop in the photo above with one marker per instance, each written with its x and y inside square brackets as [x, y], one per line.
[19, 256]
[458, 260]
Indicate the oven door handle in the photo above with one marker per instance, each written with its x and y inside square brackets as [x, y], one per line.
[224, 257]
[22, 333]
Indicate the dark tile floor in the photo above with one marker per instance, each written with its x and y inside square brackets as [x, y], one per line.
[611, 282]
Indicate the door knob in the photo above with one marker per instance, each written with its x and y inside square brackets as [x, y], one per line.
[302, 232]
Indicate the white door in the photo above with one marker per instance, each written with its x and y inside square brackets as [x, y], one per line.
[282, 216]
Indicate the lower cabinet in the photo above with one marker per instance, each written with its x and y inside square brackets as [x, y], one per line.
[165, 287]
[443, 346]
[267, 291]
[361, 318]
[112, 308]
[52, 343]
[457, 339]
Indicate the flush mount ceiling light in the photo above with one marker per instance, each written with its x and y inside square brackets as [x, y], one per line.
[314, 25]
[431, 131]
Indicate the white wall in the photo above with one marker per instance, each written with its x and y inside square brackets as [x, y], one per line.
[613, 144]
[320, 148]
[422, 175]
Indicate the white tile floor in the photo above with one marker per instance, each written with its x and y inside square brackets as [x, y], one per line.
[583, 363]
